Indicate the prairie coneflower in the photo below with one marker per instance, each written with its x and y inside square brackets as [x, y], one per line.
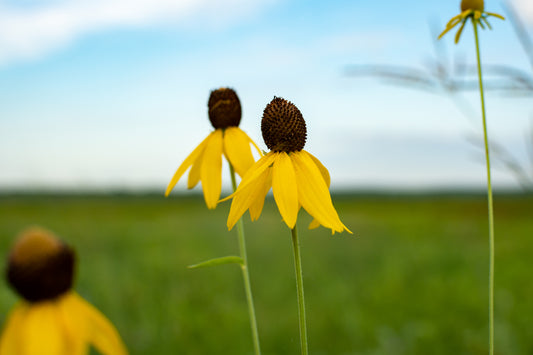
[470, 9]
[296, 177]
[475, 9]
[51, 319]
[227, 139]
[206, 166]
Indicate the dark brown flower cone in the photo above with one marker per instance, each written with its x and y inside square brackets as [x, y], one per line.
[40, 267]
[224, 108]
[283, 126]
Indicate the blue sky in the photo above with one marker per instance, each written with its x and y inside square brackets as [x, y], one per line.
[113, 93]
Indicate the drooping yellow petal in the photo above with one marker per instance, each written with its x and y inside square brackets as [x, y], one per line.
[41, 331]
[285, 189]
[194, 173]
[237, 150]
[323, 170]
[259, 151]
[325, 174]
[313, 192]
[258, 199]
[187, 163]
[99, 330]
[74, 325]
[247, 193]
[495, 15]
[454, 21]
[314, 224]
[253, 173]
[11, 341]
[458, 34]
[211, 169]
[446, 30]
[247, 198]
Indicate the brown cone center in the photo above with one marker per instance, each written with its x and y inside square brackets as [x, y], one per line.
[40, 267]
[224, 108]
[283, 126]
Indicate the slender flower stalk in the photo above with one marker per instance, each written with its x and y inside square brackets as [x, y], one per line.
[297, 179]
[489, 194]
[300, 290]
[474, 10]
[245, 273]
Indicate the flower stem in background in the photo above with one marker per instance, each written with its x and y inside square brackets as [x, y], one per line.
[300, 290]
[245, 274]
[489, 193]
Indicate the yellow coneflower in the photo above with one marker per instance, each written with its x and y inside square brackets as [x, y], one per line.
[475, 10]
[51, 319]
[296, 177]
[470, 9]
[227, 139]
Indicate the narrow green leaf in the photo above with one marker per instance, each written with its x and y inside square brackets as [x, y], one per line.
[218, 261]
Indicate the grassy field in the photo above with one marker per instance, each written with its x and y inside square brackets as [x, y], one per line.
[412, 279]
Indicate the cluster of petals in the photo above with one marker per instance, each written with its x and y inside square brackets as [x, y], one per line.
[476, 14]
[66, 325]
[206, 162]
[297, 179]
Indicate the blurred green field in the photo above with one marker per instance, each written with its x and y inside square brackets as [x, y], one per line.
[413, 279]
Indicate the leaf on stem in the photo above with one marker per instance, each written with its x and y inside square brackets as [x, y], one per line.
[218, 261]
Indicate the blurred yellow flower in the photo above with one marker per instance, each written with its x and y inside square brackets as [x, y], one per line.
[228, 139]
[297, 178]
[52, 319]
[470, 9]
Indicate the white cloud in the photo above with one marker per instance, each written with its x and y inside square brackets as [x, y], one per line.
[525, 9]
[34, 31]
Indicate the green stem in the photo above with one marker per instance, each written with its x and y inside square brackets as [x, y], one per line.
[489, 193]
[245, 274]
[300, 290]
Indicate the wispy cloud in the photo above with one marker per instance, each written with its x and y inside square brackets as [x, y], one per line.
[30, 32]
[525, 9]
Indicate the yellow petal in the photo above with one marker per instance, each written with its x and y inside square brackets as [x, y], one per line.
[285, 189]
[186, 163]
[237, 150]
[247, 192]
[11, 341]
[323, 170]
[194, 173]
[486, 22]
[458, 34]
[446, 30]
[262, 187]
[253, 173]
[74, 324]
[325, 174]
[495, 15]
[42, 331]
[211, 169]
[454, 21]
[250, 198]
[100, 332]
[314, 224]
[256, 147]
[313, 192]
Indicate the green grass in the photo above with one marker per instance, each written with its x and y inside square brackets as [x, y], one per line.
[413, 279]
